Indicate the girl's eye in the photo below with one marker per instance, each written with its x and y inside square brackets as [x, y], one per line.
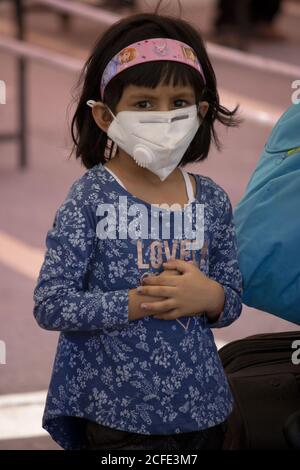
[182, 101]
[141, 104]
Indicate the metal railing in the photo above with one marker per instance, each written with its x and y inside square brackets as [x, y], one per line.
[215, 51]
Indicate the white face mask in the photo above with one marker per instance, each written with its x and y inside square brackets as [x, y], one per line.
[157, 140]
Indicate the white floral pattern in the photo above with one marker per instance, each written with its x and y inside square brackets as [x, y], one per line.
[147, 376]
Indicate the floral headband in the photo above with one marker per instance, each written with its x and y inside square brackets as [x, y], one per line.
[147, 51]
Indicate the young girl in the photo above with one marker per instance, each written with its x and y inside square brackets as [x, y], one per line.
[133, 296]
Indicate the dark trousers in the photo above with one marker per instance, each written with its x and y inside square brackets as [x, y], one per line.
[104, 438]
[259, 10]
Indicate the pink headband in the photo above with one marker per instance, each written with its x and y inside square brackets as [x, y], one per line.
[147, 51]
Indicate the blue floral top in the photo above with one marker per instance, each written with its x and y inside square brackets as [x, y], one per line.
[148, 376]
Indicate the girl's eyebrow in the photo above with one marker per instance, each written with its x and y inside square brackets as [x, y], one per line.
[153, 97]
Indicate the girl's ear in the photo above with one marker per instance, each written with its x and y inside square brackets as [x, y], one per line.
[203, 108]
[101, 115]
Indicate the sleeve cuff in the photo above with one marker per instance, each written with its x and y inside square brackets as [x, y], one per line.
[220, 319]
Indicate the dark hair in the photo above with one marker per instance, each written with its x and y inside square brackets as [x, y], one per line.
[89, 140]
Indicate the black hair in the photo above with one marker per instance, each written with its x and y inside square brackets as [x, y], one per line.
[89, 140]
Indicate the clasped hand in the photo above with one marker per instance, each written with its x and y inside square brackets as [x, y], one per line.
[187, 294]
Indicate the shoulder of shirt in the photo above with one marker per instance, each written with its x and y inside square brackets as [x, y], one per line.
[212, 192]
[84, 195]
[86, 190]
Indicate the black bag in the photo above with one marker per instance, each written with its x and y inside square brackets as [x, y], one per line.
[264, 375]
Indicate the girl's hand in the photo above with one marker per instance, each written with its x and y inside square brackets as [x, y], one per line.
[163, 274]
[186, 295]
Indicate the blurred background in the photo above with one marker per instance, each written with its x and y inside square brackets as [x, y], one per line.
[255, 50]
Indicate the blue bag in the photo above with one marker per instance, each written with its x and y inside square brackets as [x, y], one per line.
[267, 222]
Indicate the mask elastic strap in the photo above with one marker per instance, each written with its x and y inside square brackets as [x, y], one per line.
[111, 112]
[92, 103]
[113, 148]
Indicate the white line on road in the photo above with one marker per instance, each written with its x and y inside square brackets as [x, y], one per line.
[21, 415]
[220, 343]
[255, 111]
[22, 399]
[20, 256]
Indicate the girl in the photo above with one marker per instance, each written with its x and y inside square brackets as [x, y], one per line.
[136, 365]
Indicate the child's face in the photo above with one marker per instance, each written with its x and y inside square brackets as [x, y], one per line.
[161, 98]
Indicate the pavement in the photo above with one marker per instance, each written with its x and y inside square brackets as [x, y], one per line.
[30, 198]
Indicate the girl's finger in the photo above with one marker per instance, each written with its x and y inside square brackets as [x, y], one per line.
[161, 280]
[158, 307]
[179, 264]
[156, 291]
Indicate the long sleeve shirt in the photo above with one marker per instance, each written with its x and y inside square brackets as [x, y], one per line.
[149, 376]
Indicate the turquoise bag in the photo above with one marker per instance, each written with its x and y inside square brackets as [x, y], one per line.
[267, 223]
